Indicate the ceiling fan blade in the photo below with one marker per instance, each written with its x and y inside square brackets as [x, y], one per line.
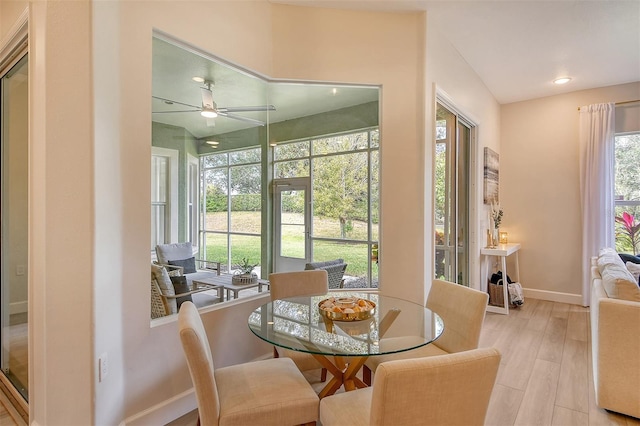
[183, 110]
[175, 102]
[207, 98]
[241, 118]
[248, 108]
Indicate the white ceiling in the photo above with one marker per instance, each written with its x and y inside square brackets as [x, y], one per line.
[518, 47]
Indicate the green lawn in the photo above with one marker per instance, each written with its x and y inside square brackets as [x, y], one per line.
[355, 255]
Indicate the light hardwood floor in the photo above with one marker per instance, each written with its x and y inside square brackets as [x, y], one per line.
[545, 376]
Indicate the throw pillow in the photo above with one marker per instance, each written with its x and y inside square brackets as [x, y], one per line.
[180, 285]
[188, 265]
[634, 268]
[629, 258]
[618, 283]
[161, 276]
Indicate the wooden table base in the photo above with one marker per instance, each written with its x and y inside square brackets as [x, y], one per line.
[344, 374]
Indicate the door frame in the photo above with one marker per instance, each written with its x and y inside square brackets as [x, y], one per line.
[285, 263]
[471, 122]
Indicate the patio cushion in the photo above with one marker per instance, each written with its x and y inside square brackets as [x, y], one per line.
[175, 251]
[160, 275]
[188, 265]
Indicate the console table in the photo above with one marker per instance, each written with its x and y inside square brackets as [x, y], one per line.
[502, 251]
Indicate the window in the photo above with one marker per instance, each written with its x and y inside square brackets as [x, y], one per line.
[627, 193]
[232, 207]
[164, 196]
[344, 170]
[193, 180]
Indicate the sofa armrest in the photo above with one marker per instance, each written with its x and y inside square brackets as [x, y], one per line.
[618, 360]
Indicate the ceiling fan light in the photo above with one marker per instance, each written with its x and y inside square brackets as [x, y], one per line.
[209, 113]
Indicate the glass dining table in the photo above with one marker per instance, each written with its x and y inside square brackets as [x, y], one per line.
[342, 347]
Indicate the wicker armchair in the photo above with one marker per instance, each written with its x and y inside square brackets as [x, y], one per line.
[335, 271]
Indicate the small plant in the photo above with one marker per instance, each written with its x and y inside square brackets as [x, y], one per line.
[629, 229]
[246, 268]
[496, 214]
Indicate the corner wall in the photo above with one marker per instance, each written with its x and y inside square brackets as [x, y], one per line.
[540, 186]
[450, 74]
[382, 49]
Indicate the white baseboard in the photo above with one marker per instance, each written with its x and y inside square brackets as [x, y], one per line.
[552, 296]
[18, 307]
[164, 412]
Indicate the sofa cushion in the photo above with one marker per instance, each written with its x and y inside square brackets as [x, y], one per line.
[618, 283]
[608, 256]
[188, 265]
[634, 268]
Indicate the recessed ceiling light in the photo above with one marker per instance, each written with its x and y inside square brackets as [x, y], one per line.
[213, 142]
[334, 91]
[562, 80]
[198, 79]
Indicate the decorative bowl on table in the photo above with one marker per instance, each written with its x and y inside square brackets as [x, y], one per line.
[346, 308]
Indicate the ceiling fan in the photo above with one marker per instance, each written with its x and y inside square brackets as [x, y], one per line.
[210, 109]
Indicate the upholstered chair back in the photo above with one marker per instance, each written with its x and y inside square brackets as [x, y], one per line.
[451, 389]
[462, 310]
[299, 283]
[198, 354]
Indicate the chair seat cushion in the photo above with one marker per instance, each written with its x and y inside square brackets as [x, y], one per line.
[248, 393]
[429, 350]
[348, 408]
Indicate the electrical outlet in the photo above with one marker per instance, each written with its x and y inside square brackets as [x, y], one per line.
[103, 367]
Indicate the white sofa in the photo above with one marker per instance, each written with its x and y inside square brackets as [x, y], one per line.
[615, 334]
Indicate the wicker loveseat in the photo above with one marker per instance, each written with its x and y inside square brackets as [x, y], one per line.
[335, 271]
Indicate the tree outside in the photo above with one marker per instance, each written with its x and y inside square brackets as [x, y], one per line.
[627, 193]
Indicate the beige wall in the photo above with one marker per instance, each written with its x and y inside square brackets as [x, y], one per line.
[540, 187]
[356, 47]
[10, 10]
[449, 74]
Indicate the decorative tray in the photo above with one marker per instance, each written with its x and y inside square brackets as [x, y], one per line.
[346, 308]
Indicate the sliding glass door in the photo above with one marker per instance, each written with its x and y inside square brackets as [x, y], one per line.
[452, 177]
[14, 216]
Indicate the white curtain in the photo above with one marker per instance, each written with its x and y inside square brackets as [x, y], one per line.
[597, 133]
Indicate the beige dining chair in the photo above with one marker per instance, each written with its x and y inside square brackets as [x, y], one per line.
[462, 310]
[269, 392]
[299, 283]
[452, 389]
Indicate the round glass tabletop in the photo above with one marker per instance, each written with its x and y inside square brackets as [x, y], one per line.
[395, 325]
